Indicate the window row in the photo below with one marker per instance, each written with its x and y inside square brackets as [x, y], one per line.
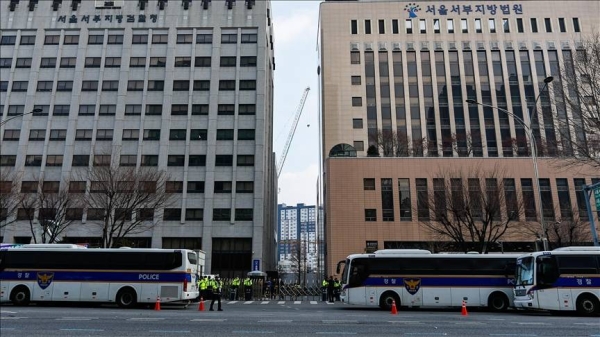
[132, 85]
[129, 134]
[134, 62]
[132, 110]
[99, 39]
[475, 25]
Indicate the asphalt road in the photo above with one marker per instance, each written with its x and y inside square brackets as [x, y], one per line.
[283, 318]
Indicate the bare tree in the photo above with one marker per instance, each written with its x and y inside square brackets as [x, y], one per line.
[9, 198]
[50, 211]
[571, 230]
[125, 200]
[387, 142]
[580, 78]
[471, 208]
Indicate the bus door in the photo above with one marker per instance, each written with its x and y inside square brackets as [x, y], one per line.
[546, 274]
[357, 283]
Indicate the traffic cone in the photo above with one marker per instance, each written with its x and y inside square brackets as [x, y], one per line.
[394, 310]
[201, 305]
[464, 309]
[157, 305]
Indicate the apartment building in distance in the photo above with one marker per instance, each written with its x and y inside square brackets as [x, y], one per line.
[298, 237]
[182, 86]
[395, 78]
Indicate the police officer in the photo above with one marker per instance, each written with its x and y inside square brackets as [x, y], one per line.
[235, 285]
[330, 289]
[248, 288]
[337, 288]
[215, 285]
[203, 284]
[324, 285]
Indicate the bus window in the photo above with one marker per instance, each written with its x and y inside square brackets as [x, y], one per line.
[358, 273]
[192, 258]
[547, 271]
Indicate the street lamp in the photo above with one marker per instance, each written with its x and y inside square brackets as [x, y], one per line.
[19, 115]
[533, 157]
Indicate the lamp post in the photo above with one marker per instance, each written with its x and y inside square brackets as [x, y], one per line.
[534, 159]
[19, 115]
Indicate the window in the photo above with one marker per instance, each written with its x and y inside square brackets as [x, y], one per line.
[195, 187]
[115, 39]
[369, 184]
[103, 160]
[223, 160]
[23, 63]
[199, 109]
[381, 24]
[77, 186]
[58, 134]
[228, 61]
[245, 160]
[135, 85]
[133, 109]
[47, 86]
[408, 25]
[226, 109]
[202, 61]
[29, 186]
[104, 134]
[83, 134]
[184, 38]
[450, 25]
[145, 214]
[87, 110]
[367, 26]
[177, 134]
[20, 85]
[95, 213]
[395, 29]
[370, 214]
[139, 39]
[405, 203]
[244, 187]
[244, 214]
[156, 85]
[422, 199]
[151, 134]
[81, 160]
[137, 62]
[353, 27]
[8, 40]
[74, 214]
[149, 160]
[54, 160]
[5, 62]
[61, 110]
[174, 187]
[534, 28]
[179, 110]
[71, 39]
[33, 160]
[520, 25]
[492, 25]
[27, 40]
[95, 39]
[112, 62]
[131, 134]
[110, 86]
[198, 134]
[204, 38]
[37, 134]
[8, 160]
[227, 85]
[357, 123]
[108, 109]
[576, 27]
[202, 85]
[464, 25]
[93, 62]
[359, 145]
[159, 62]
[197, 160]
[68, 62]
[221, 214]
[45, 110]
[181, 85]
[228, 38]
[247, 109]
[436, 26]
[246, 134]
[196, 214]
[12, 134]
[548, 25]
[223, 187]
[183, 62]
[64, 86]
[505, 26]
[51, 39]
[247, 84]
[153, 110]
[356, 101]
[88, 86]
[15, 109]
[249, 38]
[3, 88]
[355, 80]
[354, 57]
[176, 160]
[172, 214]
[160, 38]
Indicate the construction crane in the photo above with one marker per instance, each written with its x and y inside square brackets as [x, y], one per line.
[292, 131]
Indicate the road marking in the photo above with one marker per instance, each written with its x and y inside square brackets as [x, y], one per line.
[532, 323]
[338, 321]
[170, 331]
[313, 302]
[7, 312]
[11, 317]
[588, 324]
[297, 302]
[252, 332]
[76, 319]
[1, 328]
[264, 302]
[335, 333]
[425, 333]
[281, 302]
[329, 302]
[276, 321]
[248, 302]
[90, 330]
[232, 302]
[511, 334]
[209, 320]
[407, 322]
[145, 319]
[470, 323]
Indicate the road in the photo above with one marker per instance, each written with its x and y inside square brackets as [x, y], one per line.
[282, 318]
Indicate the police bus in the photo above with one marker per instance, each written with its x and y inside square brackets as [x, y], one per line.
[125, 276]
[565, 279]
[418, 278]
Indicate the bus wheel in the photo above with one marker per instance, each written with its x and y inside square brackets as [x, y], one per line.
[20, 296]
[386, 300]
[498, 302]
[588, 305]
[126, 298]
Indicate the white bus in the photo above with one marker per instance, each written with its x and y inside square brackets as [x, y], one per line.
[417, 278]
[564, 279]
[46, 273]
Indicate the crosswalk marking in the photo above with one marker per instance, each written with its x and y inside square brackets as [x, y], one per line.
[264, 302]
[281, 302]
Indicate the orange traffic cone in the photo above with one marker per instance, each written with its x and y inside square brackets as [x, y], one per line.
[157, 305]
[464, 309]
[201, 305]
[394, 309]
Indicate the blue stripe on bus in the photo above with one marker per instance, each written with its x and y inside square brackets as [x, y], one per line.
[577, 282]
[102, 276]
[443, 281]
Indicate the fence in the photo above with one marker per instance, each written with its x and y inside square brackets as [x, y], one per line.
[277, 290]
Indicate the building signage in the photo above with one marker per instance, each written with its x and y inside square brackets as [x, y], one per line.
[118, 18]
[255, 265]
[597, 197]
[505, 9]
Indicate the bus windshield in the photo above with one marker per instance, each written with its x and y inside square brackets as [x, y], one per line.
[345, 263]
[524, 272]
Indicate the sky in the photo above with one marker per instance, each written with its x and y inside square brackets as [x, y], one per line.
[296, 60]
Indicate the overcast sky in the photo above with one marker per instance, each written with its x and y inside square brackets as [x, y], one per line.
[296, 61]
